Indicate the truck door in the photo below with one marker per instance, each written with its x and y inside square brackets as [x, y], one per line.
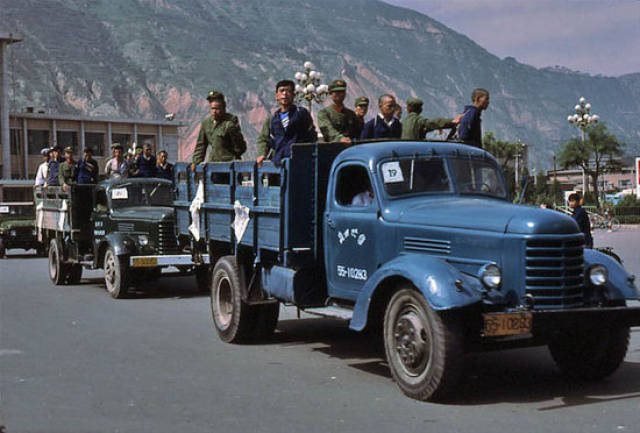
[351, 221]
[99, 217]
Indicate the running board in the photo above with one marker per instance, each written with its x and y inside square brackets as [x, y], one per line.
[331, 311]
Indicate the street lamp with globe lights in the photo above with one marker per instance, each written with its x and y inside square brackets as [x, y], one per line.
[308, 87]
[582, 119]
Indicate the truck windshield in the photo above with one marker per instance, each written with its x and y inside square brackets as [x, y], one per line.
[16, 210]
[415, 175]
[477, 177]
[151, 194]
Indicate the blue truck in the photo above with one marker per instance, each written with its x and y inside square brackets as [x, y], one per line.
[415, 241]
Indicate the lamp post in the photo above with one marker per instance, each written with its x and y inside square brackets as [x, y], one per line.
[308, 87]
[582, 119]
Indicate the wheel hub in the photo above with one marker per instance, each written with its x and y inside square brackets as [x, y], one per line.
[411, 342]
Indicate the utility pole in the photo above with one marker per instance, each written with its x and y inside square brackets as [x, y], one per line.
[5, 40]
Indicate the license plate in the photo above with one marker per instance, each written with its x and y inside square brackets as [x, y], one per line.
[499, 324]
[144, 262]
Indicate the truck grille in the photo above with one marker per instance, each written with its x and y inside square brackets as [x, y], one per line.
[554, 273]
[167, 241]
[23, 233]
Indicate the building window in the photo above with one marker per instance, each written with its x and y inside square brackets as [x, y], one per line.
[68, 138]
[624, 183]
[16, 141]
[38, 140]
[123, 140]
[95, 140]
[144, 139]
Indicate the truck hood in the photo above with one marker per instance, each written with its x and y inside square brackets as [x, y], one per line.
[14, 223]
[143, 213]
[479, 213]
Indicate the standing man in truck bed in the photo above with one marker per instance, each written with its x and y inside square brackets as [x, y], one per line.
[290, 124]
[221, 131]
[336, 122]
[416, 127]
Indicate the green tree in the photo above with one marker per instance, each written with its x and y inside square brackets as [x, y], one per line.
[599, 152]
[505, 152]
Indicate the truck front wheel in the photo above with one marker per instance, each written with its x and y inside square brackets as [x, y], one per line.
[58, 270]
[116, 274]
[590, 354]
[424, 351]
[233, 318]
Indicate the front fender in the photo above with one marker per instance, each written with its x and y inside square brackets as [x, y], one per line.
[621, 283]
[433, 277]
[122, 243]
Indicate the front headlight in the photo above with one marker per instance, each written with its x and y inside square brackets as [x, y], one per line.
[34, 232]
[491, 276]
[13, 233]
[598, 275]
[143, 240]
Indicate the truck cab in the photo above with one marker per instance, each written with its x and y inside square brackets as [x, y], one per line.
[416, 240]
[17, 228]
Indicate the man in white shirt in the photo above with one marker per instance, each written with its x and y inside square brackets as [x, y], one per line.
[43, 169]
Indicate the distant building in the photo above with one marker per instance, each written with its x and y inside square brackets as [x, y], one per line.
[30, 132]
[621, 179]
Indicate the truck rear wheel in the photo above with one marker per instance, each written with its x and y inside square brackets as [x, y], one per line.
[58, 270]
[424, 351]
[590, 354]
[116, 274]
[233, 318]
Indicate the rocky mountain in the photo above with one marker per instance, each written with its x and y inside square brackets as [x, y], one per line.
[145, 58]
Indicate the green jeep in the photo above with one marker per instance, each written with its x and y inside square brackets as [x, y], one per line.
[17, 228]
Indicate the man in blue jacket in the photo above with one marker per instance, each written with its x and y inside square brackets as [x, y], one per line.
[582, 218]
[385, 124]
[146, 162]
[470, 127]
[288, 125]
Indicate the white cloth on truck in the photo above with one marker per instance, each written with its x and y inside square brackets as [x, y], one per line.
[62, 214]
[241, 220]
[194, 210]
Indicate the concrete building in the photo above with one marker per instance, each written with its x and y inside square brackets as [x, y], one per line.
[30, 132]
[607, 182]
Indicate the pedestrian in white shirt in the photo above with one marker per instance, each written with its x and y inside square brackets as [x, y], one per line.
[43, 169]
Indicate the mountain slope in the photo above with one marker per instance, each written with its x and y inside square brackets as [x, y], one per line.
[143, 58]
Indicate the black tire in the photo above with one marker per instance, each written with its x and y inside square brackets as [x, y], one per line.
[75, 274]
[266, 320]
[116, 274]
[58, 270]
[233, 318]
[203, 277]
[3, 249]
[593, 354]
[424, 350]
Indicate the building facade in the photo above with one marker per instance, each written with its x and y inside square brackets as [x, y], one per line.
[31, 132]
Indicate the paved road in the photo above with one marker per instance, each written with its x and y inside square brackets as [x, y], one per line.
[74, 360]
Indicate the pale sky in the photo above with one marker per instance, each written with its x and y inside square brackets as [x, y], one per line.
[594, 36]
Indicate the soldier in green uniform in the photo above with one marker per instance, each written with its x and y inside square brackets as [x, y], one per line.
[337, 122]
[361, 108]
[67, 174]
[221, 131]
[416, 127]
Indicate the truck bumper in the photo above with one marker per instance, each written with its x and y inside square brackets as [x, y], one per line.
[168, 260]
[550, 321]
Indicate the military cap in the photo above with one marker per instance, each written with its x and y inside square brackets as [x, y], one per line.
[337, 86]
[363, 100]
[68, 149]
[214, 94]
[45, 151]
[56, 147]
[414, 102]
[116, 146]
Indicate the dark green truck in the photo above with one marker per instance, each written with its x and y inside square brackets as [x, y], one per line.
[17, 228]
[124, 226]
